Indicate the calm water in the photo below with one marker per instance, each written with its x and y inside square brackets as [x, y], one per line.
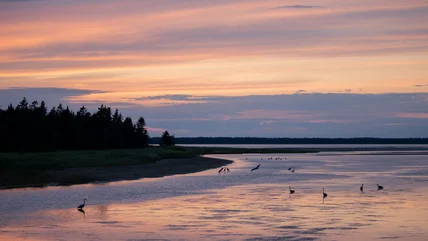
[387, 146]
[239, 205]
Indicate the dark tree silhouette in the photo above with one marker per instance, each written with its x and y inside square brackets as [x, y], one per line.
[285, 140]
[30, 127]
[167, 139]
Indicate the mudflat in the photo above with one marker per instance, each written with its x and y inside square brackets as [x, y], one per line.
[81, 175]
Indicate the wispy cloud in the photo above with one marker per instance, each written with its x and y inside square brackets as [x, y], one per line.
[167, 97]
[323, 115]
[294, 115]
[235, 45]
[298, 6]
[299, 91]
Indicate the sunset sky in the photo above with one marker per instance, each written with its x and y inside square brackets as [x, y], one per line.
[324, 68]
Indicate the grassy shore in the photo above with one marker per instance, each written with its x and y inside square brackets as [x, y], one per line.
[79, 167]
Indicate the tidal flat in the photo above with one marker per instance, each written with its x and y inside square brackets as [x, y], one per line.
[237, 205]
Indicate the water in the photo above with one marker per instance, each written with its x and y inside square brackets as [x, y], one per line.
[310, 146]
[239, 205]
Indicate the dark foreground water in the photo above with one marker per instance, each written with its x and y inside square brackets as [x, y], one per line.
[239, 205]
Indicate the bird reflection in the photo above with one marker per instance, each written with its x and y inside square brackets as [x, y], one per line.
[82, 211]
[103, 209]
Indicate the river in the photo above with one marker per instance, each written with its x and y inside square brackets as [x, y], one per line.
[237, 205]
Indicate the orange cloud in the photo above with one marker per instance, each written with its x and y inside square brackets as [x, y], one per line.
[221, 47]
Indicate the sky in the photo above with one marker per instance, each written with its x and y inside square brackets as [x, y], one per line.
[306, 68]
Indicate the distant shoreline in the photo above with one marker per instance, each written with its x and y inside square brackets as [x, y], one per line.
[295, 141]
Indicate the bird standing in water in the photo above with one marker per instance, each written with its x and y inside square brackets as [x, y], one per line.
[379, 187]
[361, 188]
[82, 205]
[291, 190]
[324, 195]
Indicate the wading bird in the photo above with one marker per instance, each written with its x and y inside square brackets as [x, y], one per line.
[293, 169]
[324, 195]
[361, 188]
[379, 187]
[255, 168]
[291, 190]
[221, 169]
[82, 205]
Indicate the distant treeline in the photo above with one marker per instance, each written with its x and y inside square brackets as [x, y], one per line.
[261, 140]
[30, 127]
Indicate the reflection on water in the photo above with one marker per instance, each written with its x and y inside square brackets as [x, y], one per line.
[238, 205]
[82, 211]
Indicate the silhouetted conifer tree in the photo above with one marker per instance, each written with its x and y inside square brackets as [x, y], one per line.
[30, 127]
[167, 139]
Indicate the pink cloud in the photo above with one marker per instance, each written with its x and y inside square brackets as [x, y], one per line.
[273, 114]
[155, 129]
[332, 121]
[395, 124]
[411, 115]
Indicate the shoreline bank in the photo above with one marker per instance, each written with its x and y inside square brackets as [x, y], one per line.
[64, 168]
[87, 175]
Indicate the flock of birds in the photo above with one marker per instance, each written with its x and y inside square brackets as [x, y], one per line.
[226, 169]
[292, 169]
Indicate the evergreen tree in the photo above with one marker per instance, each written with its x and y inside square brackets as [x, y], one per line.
[32, 128]
[167, 139]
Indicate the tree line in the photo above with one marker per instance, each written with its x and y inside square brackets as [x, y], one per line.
[32, 128]
[285, 140]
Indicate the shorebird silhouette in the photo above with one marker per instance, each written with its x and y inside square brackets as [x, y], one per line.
[361, 188]
[82, 205]
[324, 195]
[379, 187]
[291, 190]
